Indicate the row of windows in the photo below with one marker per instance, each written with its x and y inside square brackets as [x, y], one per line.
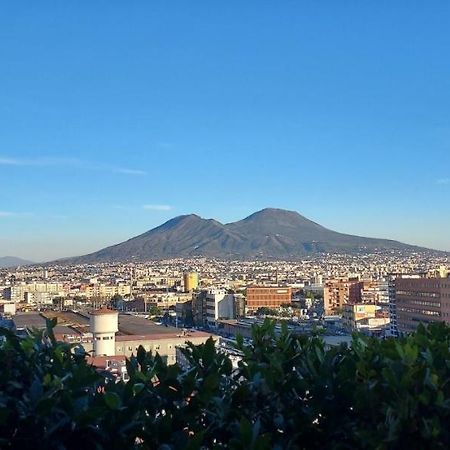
[425, 312]
[425, 303]
[418, 294]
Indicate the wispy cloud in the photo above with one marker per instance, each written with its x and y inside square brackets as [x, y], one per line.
[443, 181]
[157, 207]
[41, 161]
[130, 171]
[14, 214]
[68, 162]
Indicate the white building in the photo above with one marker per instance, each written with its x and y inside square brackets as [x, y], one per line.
[219, 305]
[18, 293]
[7, 308]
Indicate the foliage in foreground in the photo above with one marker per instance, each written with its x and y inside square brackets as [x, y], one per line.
[288, 392]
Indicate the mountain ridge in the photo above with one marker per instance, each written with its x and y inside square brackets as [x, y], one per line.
[13, 261]
[268, 234]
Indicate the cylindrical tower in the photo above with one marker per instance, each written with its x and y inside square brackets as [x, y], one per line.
[104, 325]
[190, 281]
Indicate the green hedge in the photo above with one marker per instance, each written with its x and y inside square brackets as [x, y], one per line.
[288, 393]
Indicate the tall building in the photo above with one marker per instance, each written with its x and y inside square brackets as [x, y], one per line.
[267, 297]
[190, 281]
[421, 300]
[239, 306]
[219, 305]
[340, 292]
[199, 308]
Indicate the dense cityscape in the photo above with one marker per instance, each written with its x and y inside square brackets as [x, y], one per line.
[184, 300]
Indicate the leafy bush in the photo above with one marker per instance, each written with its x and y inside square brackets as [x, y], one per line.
[289, 392]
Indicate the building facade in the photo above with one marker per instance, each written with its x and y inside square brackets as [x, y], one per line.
[340, 292]
[421, 300]
[219, 305]
[267, 297]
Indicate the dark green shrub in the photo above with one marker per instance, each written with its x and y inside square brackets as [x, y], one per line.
[289, 392]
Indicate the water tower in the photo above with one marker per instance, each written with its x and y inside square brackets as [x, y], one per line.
[104, 326]
[190, 281]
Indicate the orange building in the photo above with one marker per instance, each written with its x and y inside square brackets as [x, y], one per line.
[340, 292]
[268, 297]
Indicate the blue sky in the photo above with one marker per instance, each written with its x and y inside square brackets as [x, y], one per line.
[116, 116]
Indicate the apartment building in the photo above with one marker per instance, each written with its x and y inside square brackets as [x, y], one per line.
[25, 292]
[219, 305]
[421, 300]
[340, 292]
[267, 297]
[100, 290]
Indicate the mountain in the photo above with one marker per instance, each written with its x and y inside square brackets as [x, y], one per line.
[267, 234]
[12, 261]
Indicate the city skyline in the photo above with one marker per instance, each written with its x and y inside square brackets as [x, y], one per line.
[335, 111]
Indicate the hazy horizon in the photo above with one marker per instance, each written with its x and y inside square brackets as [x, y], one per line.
[117, 117]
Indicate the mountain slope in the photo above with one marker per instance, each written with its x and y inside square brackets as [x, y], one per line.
[267, 234]
[280, 233]
[12, 261]
[182, 236]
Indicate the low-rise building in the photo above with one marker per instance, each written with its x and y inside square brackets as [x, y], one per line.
[369, 318]
[267, 297]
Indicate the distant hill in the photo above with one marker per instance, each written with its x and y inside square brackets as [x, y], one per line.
[12, 261]
[267, 234]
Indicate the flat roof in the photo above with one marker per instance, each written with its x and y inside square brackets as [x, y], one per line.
[29, 320]
[130, 327]
[129, 324]
[37, 320]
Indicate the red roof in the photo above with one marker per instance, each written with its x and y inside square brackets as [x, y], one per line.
[100, 361]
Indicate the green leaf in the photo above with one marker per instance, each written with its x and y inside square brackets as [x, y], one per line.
[112, 400]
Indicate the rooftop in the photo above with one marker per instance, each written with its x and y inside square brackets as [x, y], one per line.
[31, 320]
[130, 327]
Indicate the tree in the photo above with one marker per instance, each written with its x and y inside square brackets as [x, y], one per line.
[288, 392]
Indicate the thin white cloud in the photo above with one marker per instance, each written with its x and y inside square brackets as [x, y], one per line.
[157, 207]
[443, 181]
[130, 171]
[14, 214]
[68, 162]
[6, 161]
